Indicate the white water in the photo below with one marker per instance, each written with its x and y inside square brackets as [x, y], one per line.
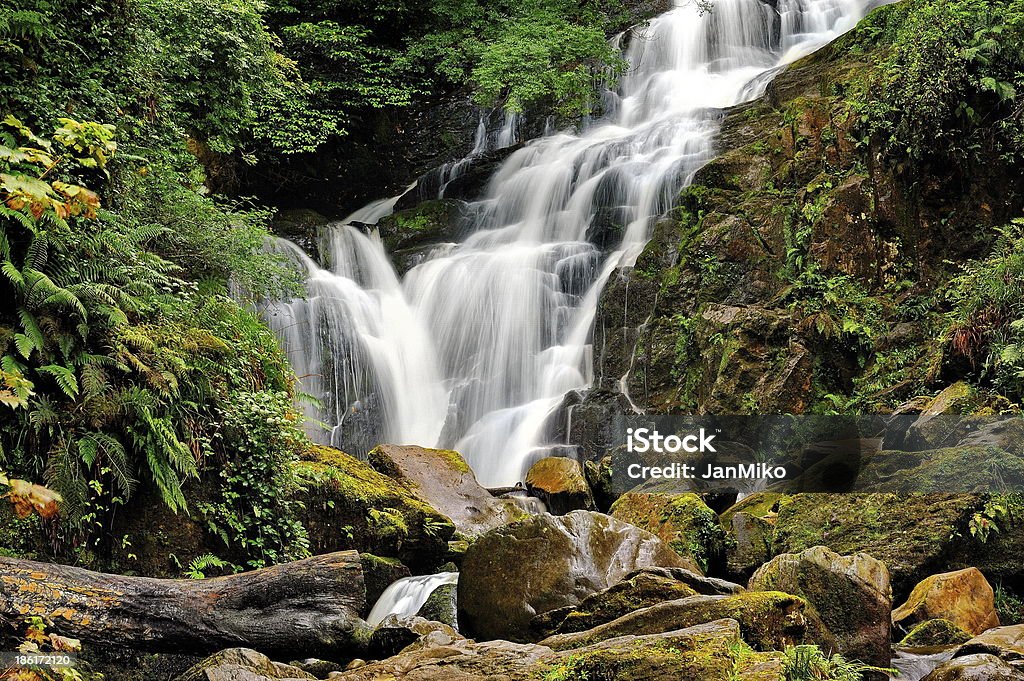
[477, 347]
[407, 595]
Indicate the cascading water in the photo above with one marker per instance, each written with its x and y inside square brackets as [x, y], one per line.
[476, 349]
[407, 595]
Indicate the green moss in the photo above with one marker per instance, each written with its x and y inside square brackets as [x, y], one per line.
[759, 505]
[937, 632]
[704, 657]
[683, 521]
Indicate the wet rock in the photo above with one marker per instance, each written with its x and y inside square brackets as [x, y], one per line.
[302, 227]
[751, 545]
[599, 479]
[768, 620]
[430, 222]
[545, 562]
[317, 668]
[1005, 642]
[641, 590]
[706, 586]
[396, 633]
[850, 594]
[683, 521]
[241, 664]
[443, 479]
[558, 481]
[442, 604]
[937, 632]
[964, 597]
[378, 574]
[976, 668]
[383, 517]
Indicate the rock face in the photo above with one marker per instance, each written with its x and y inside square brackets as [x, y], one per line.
[241, 664]
[768, 621]
[851, 594]
[705, 652]
[935, 633]
[443, 479]
[1005, 642]
[559, 482]
[543, 563]
[383, 517]
[683, 521]
[964, 597]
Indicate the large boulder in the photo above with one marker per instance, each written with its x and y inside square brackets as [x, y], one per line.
[979, 667]
[558, 481]
[1005, 642]
[850, 594]
[683, 521]
[750, 524]
[768, 620]
[707, 652]
[640, 590]
[443, 479]
[964, 597]
[910, 533]
[241, 664]
[349, 505]
[935, 633]
[542, 563]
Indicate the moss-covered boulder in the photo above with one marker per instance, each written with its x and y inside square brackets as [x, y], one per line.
[769, 620]
[683, 521]
[429, 222]
[937, 632]
[349, 505]
[242, 664]
[978, 667]
[750, 525]
[378, 574]
[850, 594]
[640, 590]
[543, 563]
[1006, 642]
[911, 534]
[964, 597]
[443, 479]
[558, 481]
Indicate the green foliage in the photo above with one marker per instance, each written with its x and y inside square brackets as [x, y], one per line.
[257, 513]
[1009, 606]
[809, 663]
[986, 321]
[201, 566]
[948, 88]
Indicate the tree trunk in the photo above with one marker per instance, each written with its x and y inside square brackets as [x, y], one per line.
[298, 608]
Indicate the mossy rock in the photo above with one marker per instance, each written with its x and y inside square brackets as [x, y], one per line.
[349, 505]
[430, 222]
[378, 574]
[642, 590]
[938, 632]
[768, 620]
[911, 534]
[683, 521]
[559, 482]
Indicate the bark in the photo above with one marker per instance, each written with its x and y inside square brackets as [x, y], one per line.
[299, 608]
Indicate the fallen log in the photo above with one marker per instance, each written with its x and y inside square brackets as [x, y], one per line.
[301, 608]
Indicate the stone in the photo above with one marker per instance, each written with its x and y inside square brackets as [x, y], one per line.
[558, 481]
[768, 620]
[545, 562]
[979, 667]
[442, 604]
[751, 545]
[241, 664]
[395, 633]
[378, 574]
[382, 516]
[937, 632]
[1004, 642]
[705, 652]
[851, 595]
[443, 479]
[640, 590]
[599, 479]
[909, 533]
[683, 521]
[964, 597]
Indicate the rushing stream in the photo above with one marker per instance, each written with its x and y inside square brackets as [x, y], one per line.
[407, 595]
[476, 347]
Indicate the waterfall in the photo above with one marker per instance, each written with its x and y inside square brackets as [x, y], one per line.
[407, 595]
[477, 347]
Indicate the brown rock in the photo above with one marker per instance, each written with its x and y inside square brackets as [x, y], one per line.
[976, 668]
[543, 563]
[559, 482]
[964, 597]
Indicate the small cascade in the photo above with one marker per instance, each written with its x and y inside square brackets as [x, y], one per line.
[523, 500]
[913, 664]
[406, 596]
